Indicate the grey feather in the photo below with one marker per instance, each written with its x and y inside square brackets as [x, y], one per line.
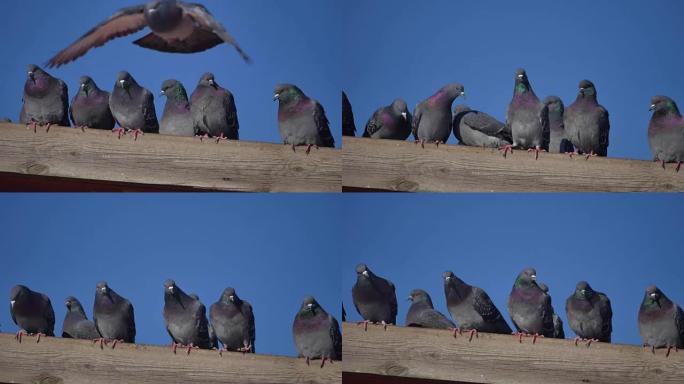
[316, 333]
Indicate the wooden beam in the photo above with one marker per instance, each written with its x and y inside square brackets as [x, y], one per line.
[419, 354]
[57, 360]
[170, 162]
[403, 166]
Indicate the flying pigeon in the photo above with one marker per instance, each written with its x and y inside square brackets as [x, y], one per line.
[316, 333]
[32, 312]
[432, 117]
[558, 332]
[661, 322]
[132, 106]
[213, 110]
[185, 319]
[113, 316]
[530, 307]
[586, 122]
[666, 131]
[45, 101]
[76, 324]
[301, 120]
[176, 119]
[348, 126]
[558, 142]
[423, 314]
[233, 322]
[479, 129]
[90, 106]
[528, 118]
[374, 298]
[389, 122]
[590, 315]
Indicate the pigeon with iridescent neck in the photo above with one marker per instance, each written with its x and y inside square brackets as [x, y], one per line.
[661, 322]
[113, 316]
[389, 122]
[432, 117]
[558, 142]
[213, 109]
[90, 106]
[530, 307]
[301, 120]
[32, 312]
[423, 314]
[233, 322]
[76, 323]
[45, 101]
[374, 298]
[177, 118]
[586, 122]
[666, 132]
[590, 315]
[316, 333]
[185, 319]
[132, 106]
[479, 129]
[528, 118]
[348, 125]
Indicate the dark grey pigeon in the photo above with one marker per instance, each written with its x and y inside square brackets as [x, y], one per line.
[301, 120]
[185, 319]
[528, 117]
[233, 322]
[432, 117]
[90, 106]
[176, 119]
[113, 316]
[590, 315]
[558, 332]
[586, 122]
[661, 322]
[558, 142]
[133, 106]
[479, 129]
[389, 122]
[423, 314]
[348, 126]
[666, 131]
[45, 101]
[374, 297]
[32, 312]
[529, 307]
[213, 340]
[76, 324]
[316, 333]
[213, 110]
[471, 307]
[176, 27]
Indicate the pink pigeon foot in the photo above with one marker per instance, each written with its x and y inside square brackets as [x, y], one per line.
[119, 131]
[506, 149]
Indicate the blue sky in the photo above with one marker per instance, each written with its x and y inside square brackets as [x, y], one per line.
[630, 49]
[294, 42]
[273, 249]
[618, 243]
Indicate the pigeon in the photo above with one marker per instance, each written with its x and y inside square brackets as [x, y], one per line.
[558, 142]
[374, 298]
[185, 319]
[213, 340]
[661, 322]
[590, 315]
[389, 122]
[133, 106]
[46, 100]
[527, 117]
[479, 129]
[76, 324]
[301, 120]
[666, 131]
[176, 119]
[113, 316]
[423, 314]
[90, 106]
[558, 332]
[32, 312]
[472, 308]
[348, 126]
[432, 117]
[316, 333]
[213, 110]
[176, 26]
[586, 122]
[233, 322]
[530, 307]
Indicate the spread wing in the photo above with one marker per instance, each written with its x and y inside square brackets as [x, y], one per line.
[206, 20]
[323, 126]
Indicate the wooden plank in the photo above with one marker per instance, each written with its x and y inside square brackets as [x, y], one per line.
[436, 355]
[57, 360]
[186, 163]
[403, 166]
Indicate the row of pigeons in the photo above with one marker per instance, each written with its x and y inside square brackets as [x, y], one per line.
[209, 112]
[589, 313]
[230, 322]
[532, 124]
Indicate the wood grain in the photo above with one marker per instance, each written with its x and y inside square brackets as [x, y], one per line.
[403, 166]
[167, 161]
[437, 355]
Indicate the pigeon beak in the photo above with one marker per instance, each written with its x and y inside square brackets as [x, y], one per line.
[122, 83]
[32, 77]
[103, 289]
[276, 97]
[583, 291]
[11, 303]
[365, 273]
[581, 91]
[653, 295]
[533, 277]
[403, 115]
[520, 76]
[447, 278]
[170, 289]
[82, 85]
[463, 94]
[410, 298]
[231, 297]
[162, 93]
[652, 107]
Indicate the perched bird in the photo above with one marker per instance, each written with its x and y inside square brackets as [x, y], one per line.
[185, 319]
[176, 119]
[132, 106]
[213, 340]
[176, 26]
[558, 142]
[374, 298]
[389, 122]
[666, 131]
[432, 117]
[301, 120]
[527, 117]
[113, 316]
[76, 323]
[586, 122]
[213, 110]
[32, 312]
[472, 308]
[348, 126]
[661, 322]
[90, 106]
[46, 100]
[316, 333]
[558, 332]
[479, 129]
[590, 315]
[233, 322]
[423, 314]
[529, 307]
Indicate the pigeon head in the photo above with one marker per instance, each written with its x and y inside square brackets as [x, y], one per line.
[73, 305]
[654, 297]
[173, 89]
[102, 288]
[663, 104]
[554, 103]
[163, 15]
[208, 80]
[17, 292]
[526, 278]
[400, 108]
[454, 90]
[420, 296]
[86, 85]
[309, 306]
[461, 108]
[229, 296]
[287, 93]
[362, 271]
[586, 89]
[124, 80]
[170, 287]
[37, 81]
[583, 291]
[522, 83]
[32, 71]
